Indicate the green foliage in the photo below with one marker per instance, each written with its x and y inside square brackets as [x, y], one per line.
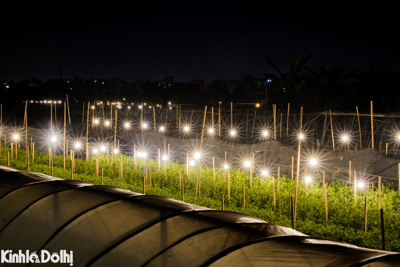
[346, 220]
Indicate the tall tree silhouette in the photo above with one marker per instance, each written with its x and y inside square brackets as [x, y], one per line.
[287, 87]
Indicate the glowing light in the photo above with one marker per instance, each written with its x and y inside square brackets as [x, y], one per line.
[301, 136]
[77, 145]
[232, 132]
[169, 103]
[107, 123]
[192, 163]
[144, 125]
[186, 128]
[345, 138]
[116, 151]
[95, 151]
[140, 106]
[247, 163]
[15, 136]
[96, 121]
[226, 166]
[92, 107]
[265, 133]
[265, 173]
[165, 157]
[313, 162]
[103, 148]
[398, 136]
[257, 105]
[53, 139]
[210, 130]
[360, 184]
[308, 179]
[142, 154]
[127, 125]
[197, 155]
[162, 129]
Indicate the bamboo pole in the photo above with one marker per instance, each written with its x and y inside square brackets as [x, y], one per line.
[229, 185]
[323, 185]
[222, 203]
[183, 190]
[213, 162]
[274, 192]
[386, 148]
[27, 158]
[202, 128]
[274, 112]
[350, 172]
[102, 176]
[293, 213]
[33, 152]
[365, 215]
[154, 117]
[333, 138]
[292, 170]
[359, 127]
[383, 230]
[355, 188]
[324, 129]
[87, 132]
[278, 177]
[372, 125]
[287, 121]
[144, 183]
[115, 126]
[65, 124]
[8, 158]
[379, 192]
[69, 115]
[219, 120]
[326, 203]
[244, 196]
[231, 115]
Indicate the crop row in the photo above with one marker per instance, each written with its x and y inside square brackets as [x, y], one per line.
[345, 218]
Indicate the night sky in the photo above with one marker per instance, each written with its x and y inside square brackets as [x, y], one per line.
[190, 39]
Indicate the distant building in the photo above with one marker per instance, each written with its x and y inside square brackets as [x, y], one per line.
[200, 83]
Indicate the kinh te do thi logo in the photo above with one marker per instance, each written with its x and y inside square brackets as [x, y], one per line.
[43, 256]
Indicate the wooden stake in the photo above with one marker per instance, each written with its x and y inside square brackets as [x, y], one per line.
[274, 112]
[326, 203]
[87, 133]
[144, 183]
[27, 158]
[386, 148]
[379, 192]
[287, 121]
[231, 115]
[359, 127]
[69, 115]
[33, 152]
[292, 170]
[213, 162]
[278, 176]
[365, 215]
[323, 185]
[154, 117]
[349, 172]
[355, 188]
[8, 158]
[183, 190]
[202, 129]
[293, 213]
[297, 180]
[219, 120]
[222, 203]
[333, 138]
[244, 196]
[273, 189]
[372, 124]
[229, 185]
[383, 230]
[102, 176]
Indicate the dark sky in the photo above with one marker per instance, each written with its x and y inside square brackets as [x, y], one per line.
[190, 39]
